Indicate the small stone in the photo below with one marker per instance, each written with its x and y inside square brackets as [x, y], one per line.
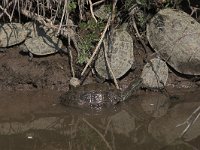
[74, 82]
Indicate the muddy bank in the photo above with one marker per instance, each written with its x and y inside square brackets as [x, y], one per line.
[18, 73]
[53, 72]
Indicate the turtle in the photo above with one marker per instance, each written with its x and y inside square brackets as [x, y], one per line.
[97, 95]
[155, 74]
[102, 12]
[119, 52]
[41, 46]
[11, 34]
[174, 35]
[41, 41]
[34, 29]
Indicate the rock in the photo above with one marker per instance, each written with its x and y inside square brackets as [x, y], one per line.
[174, 35]
[155, 74]
[74, 82]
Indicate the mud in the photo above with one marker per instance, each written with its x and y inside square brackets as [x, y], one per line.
[18, 73]
[52, 72]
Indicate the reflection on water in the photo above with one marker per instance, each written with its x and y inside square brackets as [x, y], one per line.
[148, 121]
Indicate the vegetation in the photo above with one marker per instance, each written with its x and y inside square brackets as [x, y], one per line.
[90, 38]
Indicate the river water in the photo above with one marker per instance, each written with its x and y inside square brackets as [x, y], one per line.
[34, 120]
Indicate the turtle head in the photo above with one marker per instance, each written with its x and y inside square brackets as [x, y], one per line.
[134, 85]
[23, 48]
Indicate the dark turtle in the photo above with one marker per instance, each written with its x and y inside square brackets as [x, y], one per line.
[97, 95]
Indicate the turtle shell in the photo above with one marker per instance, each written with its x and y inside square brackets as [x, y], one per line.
[174, 35]
[43, 45]
[34, 29]
[12, 34]
[120, 56]
[155, 74]
[91, 95]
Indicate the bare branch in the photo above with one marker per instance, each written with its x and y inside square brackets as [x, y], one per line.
[97, 47]
[5, 10]
[91, 10]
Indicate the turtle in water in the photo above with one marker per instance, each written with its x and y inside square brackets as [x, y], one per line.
[96, 96]
[11, 34]
[119, 50]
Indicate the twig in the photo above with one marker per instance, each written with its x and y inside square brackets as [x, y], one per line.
[139, 36]
[48, 23]
[107, 126]
[57, 9]
[113, 10]
[81, 8]
[5, 10]
[63, 14]
[91, 10]
[109, 68]
[71, 57]
[44, 21]
[190, 120]
[11, 16]
[98, 2]
[18, 6]
[99, 133]
[98, 45]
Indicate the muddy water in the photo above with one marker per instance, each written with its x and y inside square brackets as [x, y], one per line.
[148, 121]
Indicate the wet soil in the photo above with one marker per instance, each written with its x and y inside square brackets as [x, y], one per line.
[52, 72]
[17, 72]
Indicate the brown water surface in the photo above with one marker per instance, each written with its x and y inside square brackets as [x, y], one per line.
[34, 120]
